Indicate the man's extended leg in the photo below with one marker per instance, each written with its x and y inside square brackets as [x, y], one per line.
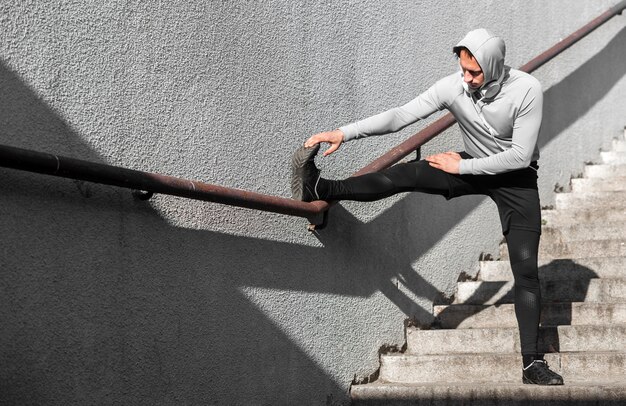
[307, 184]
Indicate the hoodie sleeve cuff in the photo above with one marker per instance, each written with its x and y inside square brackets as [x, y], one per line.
[466, 166]
[349, 131]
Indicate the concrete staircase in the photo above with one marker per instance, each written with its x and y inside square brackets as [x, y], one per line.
[472, 355]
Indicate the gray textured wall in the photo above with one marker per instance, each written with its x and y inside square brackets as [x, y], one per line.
[106, 300]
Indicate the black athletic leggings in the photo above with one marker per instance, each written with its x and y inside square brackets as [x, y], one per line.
[515, 194]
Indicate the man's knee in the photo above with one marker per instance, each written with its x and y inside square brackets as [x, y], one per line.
[526, 273]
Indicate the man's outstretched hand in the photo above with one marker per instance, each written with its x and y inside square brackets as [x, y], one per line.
[446, 161]
[334, 138]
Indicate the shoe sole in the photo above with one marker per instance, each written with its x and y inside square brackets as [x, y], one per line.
[298, 160]
[529, 382]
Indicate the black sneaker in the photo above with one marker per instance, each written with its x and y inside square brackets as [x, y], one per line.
[304, 174]
[538, 373]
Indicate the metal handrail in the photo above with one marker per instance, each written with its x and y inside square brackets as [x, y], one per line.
[56, 165]
[315, 212]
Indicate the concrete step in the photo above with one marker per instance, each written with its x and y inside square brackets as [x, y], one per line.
[563, 218]
[552, 314]
[575, 249]
[492, 367]
[618, 145]
[585, 232]
[599, 200]
[599, 392]
[577, 290]
[599, 185]
[579, 268]
[506, 340]
[582, 249]
[613, 157]
[604, 171]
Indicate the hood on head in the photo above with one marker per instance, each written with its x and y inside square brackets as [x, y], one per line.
[489, 51]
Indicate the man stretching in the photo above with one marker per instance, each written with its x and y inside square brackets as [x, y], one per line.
[499, 111]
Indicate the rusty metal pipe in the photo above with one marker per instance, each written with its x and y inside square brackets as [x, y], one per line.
[56, 165]
[570, 40]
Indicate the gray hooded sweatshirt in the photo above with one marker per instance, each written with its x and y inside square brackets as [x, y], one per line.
[500, 121]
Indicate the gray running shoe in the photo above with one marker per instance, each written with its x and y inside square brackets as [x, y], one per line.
[304, 174]
[538, 373]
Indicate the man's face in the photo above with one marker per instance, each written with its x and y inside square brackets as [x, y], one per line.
[472, 73]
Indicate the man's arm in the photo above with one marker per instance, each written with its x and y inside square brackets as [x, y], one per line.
[394, 120]
[387, 122]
